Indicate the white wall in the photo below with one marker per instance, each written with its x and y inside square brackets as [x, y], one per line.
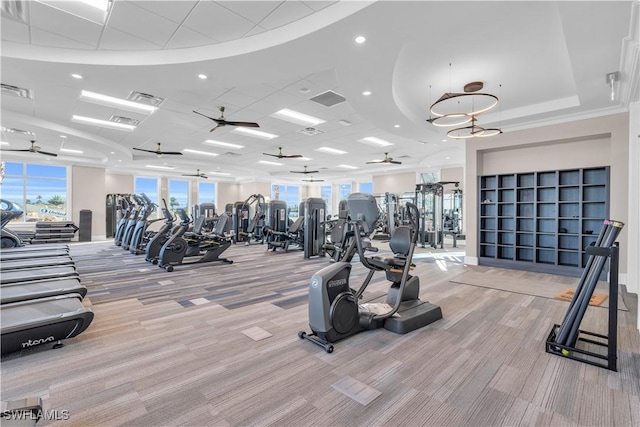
[118, 183]
[88, 191]
[633, 223]
[227, 192]
[395, 183]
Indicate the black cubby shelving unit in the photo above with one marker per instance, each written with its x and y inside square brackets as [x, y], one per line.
[541, 220]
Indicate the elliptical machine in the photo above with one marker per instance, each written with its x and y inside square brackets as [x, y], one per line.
[334, 309]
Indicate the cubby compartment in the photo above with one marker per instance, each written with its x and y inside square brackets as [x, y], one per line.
[488, 209]
[547, 210]
[488, 196]
[546, 225]
[488, 251]
[594, 193]
[507, 195]
[526, 180]
[568, 242]
[568, 258]
[488, 237]
[488, 223]
[506, 238]
[506, 224]
[524, 239]
[525, 210]
[506, 181]
[525, 224]
[569, 210]
[569, 177]
[547, 195]
[506, 252]
[569, 194]
[545, 256]
[546, 241]
[524, 254]
[506, 209]
[596, 176]
[547, 179]
[568, 226]
[592, 226]
[593, 210]
[526, 195]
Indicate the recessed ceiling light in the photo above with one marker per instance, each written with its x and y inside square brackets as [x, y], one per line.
[443, 140]
[110, 101]
[396, 126]
[77, 76]
[366, 93]
[255, 133]
[204, 153]
[63, 136]
[202, 76]
[304, 90]
[222, 144]
[330, 150]
[296, 117]
[447, 157]
[266, 162]
[69, 150]
[102, 123]
[372, 140]
[112, 152]
[4, 143]
[160, 167]
[347, 167]
[360, 39]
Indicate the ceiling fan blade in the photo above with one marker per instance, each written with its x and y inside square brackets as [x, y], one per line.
[395, 162]
[272, 155]
[47, 153]
[148, 151]
[172, 153]
[373, 162]
[240, 124]
[18, 150]
[292, 156]
[203, 115]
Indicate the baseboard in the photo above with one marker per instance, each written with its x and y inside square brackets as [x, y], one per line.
[471, 260]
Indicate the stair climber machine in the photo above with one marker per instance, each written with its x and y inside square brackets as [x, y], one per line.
[128, 204]
[127, 230]
[140, 212]
[196, 247]
[155, 244]
[9, 212]
[335, 312]
[141, 235]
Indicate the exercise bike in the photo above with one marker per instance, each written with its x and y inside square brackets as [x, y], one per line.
[335, 311]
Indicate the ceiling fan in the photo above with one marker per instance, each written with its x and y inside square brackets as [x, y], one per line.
[386, 159]
[313, 180]
[197, 174]
[220, 121]
[305, 171]
[280, 155]
[35, 149]
[158, 151]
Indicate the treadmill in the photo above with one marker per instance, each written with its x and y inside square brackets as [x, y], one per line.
[20, 264]
[32, 274]
[27, 324]
[24, 291]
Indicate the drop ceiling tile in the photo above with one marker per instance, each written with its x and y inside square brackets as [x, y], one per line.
[131, 19]
[113, 39]
[255, 31]
[186, 37]
[235, 98]
[175, 11]
[217, 22]
[254, 11]
[45, 38]
[14, 31]
[287, 13]
[64, 24]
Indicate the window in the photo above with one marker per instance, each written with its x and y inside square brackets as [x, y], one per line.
[366, 187]
[289, 194]
[178, 195]
[148, 186]
[40, 190]
[343, 191]
[206, 192]
[325, 194]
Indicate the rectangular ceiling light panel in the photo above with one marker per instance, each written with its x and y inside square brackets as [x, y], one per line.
[222, 144]
[203, 153]
[110, 101]
[296, 117]
[69, 150]
[160, 167]
[91, 10]
[254, 133]
[266, 162]
[375, 141]
[330, 150]
[347, 167]
[102, 123]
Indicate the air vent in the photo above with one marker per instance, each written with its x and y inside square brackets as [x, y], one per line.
[20, 92]
[14, 9]
[145, 98]
[124, 120]
[310, 131]
[328, 98]
[231, 154]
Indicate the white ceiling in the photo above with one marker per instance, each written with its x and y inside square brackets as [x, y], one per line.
[546, 61]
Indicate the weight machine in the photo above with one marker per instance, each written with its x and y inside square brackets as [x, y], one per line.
[435, 221]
